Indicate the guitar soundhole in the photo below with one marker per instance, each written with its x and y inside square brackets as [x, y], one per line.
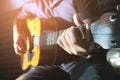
[30, 54]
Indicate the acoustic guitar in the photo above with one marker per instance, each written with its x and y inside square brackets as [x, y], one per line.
[42, 46]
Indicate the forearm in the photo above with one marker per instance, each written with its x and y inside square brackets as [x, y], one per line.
[19, 36]
[20, 27]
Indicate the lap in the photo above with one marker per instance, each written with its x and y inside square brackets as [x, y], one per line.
[79, 69]
[45, 73]
[95, 68]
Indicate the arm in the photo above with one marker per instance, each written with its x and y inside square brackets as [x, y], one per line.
[71, 41]
[19, 35]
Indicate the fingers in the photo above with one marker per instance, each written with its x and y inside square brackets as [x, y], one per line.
[18, 50]
[76, 41]
[20, 45]
[74, 35]
[70, 41]
[19, 40]
[77, 20]
[63, 41]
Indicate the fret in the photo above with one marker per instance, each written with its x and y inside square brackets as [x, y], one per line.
[52, 38]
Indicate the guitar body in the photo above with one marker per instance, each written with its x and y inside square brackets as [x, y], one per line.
[42, 47]
[31, 58]
[26, 63]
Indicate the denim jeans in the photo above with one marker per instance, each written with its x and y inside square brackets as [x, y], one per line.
[95, 68]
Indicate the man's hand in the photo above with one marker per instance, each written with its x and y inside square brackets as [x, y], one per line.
[19, 38]
[71, 41]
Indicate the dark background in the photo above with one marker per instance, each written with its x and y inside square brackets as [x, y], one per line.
[9, 61]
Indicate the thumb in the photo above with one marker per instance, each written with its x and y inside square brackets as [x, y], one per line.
[76, 19]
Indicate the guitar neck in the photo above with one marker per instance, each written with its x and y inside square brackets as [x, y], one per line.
[51, 37]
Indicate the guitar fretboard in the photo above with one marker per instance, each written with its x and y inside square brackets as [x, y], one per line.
[51, 37]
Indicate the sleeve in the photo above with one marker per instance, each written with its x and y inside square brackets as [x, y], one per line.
[34, 8]
[27, 9]
[38, 8]
[87, 8]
